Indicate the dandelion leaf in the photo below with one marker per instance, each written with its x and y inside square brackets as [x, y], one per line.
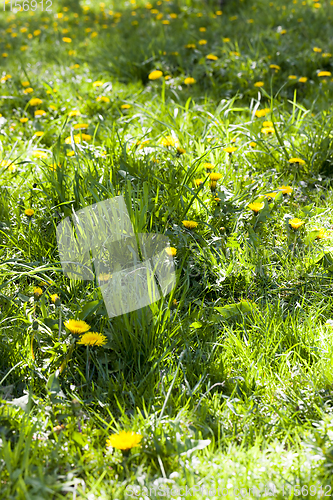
[235, 310]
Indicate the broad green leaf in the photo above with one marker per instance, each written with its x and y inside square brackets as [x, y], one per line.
[234, 310]
[79, 439]
[89, 308]
[311, 236]
[23, 297]
[196, 324]
[311, 211]
[54, 387]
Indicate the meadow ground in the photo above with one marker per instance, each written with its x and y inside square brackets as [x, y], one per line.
[216, 127]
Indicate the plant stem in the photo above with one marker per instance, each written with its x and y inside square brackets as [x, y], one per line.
[60, 322]
[32, 345]
[293, 249]
[87, 364]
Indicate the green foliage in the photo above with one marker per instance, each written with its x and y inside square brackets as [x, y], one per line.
[229, 377]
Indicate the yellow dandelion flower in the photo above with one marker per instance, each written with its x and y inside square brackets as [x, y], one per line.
[45, 283]
[230, 149]
[171, 251]
[211, 57]
[286, 189]
[215, 176]
[76, 326]
[154, 75]
[80, 126]
[296, 223]
[268, 130]
[323, 234]
[86, 137]
[35, 101]
[271, 195]
[39, 154]
[54, 166]
[190, 224]
[7, 163]
[208, 166]
[297, 160]
[124, 440]
[29, 212]
[55, 298]
[37, 292]
[76, 138]
[93, 338]
[103, 98]
[262, 112]
[189, 80]
[169, 141]
[256, 206]
[104, 276]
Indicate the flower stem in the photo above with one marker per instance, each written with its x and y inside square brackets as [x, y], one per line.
[32, 345]
[293, 249]
[60, 322]
[87, 364]
[64, 363]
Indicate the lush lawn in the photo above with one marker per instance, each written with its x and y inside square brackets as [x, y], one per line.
[222, 119]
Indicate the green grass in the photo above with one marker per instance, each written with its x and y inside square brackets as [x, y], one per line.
[229, 377]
